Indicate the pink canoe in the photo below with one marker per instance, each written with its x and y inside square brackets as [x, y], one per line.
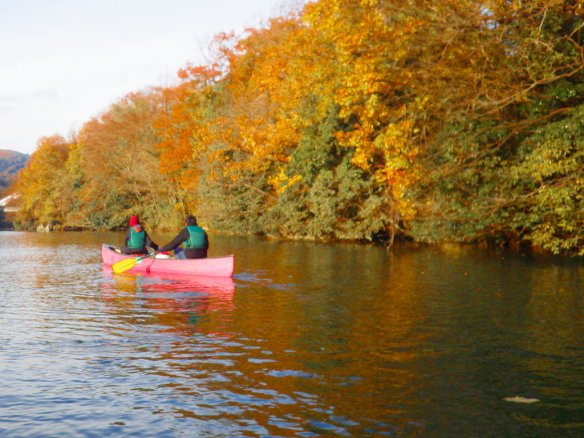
[211, 266]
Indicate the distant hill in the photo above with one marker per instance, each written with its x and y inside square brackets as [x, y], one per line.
[10, 163]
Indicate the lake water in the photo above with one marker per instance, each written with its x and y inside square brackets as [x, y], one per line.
[308, 340]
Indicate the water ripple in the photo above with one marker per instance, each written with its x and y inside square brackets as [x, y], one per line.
[305, 341]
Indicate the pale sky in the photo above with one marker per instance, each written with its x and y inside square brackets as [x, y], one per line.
[63, 62]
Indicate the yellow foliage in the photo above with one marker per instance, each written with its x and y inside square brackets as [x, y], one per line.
[280, 182]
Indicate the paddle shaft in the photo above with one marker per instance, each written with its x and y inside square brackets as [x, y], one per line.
[127, 264]
[153, 260]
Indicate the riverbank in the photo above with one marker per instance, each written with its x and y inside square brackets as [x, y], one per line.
[511, 247]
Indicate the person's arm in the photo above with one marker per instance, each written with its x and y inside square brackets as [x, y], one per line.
[206, 240]
[127, 238]
[149, 242]
[180, 238]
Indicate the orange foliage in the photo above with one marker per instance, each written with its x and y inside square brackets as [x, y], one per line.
[121, 143]
[370, 45]
[39, 183]
[283, 78]
[391, 69]
[256, 122]
[182, 129]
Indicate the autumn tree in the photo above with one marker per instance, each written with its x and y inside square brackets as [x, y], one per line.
[183, 130]
[40, 184]
[119, 164]
[505, 163]
[352, 119]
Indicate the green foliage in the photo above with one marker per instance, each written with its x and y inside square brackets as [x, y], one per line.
[547, 180]
[307, 208]
[333, 199]
[529, 192]
[232, 207]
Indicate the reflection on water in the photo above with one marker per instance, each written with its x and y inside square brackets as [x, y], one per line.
[178, 302]
[306, 340]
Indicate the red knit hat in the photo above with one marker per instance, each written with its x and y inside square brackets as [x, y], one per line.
[134, 220]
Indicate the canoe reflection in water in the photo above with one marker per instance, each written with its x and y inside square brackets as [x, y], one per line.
[178, 303]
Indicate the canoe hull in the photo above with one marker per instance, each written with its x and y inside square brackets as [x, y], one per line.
[211, 266]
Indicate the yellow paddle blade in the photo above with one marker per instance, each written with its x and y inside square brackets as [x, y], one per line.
[123, 265]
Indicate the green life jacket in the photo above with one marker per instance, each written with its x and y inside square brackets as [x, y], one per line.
[137, 237]
[197, 237]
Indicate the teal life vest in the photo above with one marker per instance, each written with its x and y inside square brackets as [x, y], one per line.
[197, 238]
[137, 237]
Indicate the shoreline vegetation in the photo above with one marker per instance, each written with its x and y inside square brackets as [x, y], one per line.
[346, 120]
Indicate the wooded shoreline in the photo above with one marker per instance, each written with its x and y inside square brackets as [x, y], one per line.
[347, 120]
